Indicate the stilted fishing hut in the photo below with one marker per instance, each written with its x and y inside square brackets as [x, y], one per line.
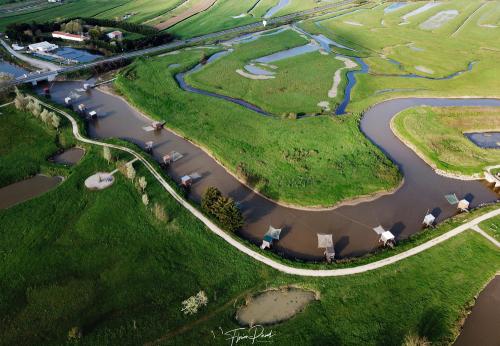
[386, 237]
[67, 100]
[92, 115]
[149, 146]
[88, 86]
[158, 125]
[171, 157]
[325, 241]
[429, 220]
[186, 181]
[271, 235]
[81, 107]
[463, 205]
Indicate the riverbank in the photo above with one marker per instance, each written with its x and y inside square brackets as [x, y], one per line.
[437, 136]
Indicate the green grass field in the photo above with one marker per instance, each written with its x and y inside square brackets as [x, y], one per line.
[443, 51]
[297, 159]
[300, 83]
[492, 227]
[26, 144]
[141, 10]
[79, 258]
[438, 133]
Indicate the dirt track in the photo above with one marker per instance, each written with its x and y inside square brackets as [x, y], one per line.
[201, 6]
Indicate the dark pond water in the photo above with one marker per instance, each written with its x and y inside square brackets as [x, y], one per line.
[27, 189]
[488, 140]
[69, 157]
[482, 326]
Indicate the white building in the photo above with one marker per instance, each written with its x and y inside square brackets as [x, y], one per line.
[16, 47]
[115, 35]
[42, 47]
[69, 37]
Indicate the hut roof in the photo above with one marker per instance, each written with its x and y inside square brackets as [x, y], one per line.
[386, 236]
[451, 198]
[379, 230]
[429, 219]
[273, 232]
[325, 240]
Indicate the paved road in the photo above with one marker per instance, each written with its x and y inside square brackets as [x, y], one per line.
[179, 43]
[43, 65]
[263, 259]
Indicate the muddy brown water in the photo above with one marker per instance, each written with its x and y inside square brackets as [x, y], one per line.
[69, 157]
[274, 306]
[401, 212]
[16, 193]
[482, 326]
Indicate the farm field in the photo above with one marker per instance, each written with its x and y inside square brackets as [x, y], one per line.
[298, 83]
[82, 8]
[102, 274]
[140, 10]
[297, 159]
[394, 44]
[438, 133]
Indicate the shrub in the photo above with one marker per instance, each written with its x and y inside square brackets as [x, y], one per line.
[159, 212]
[191, 305]
[106, 153]
[130, 171]
[145, 199]
[222, 208]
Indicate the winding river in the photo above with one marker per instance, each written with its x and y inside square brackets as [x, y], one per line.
[351, 225]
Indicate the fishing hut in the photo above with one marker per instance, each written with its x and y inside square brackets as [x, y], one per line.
[171, 157]
[463, 205]
[81, 107]
[67, 100]
[149, 146]
[325, 241]
[429, 220]
[92, 115]
[186, 181]
[386, 237]
[271, 235]
[157, 125]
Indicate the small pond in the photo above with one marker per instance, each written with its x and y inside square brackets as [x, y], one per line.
[27, 189]
[395, 6]
[274, 306]
[487, 140]
[273, 10]
[69, 157]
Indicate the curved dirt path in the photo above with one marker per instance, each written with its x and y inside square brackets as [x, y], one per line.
[257, 256]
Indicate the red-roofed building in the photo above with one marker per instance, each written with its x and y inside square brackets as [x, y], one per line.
[69, 37]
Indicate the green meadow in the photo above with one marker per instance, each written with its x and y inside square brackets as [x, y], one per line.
[79, 263]
[438, 133]
[293, 161]
[492, 227]
[300, 82]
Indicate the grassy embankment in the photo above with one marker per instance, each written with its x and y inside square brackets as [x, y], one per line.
[75, 257]
[381, 36]
[492, 227]
[141, 10]
[26, 144]
[438, 133]
[312, 161]
[300, 82]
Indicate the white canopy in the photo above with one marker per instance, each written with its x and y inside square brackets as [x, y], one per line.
[325, 240]
[429, 219]
[379, 230]
[386, 236]
[185, 179]
[463, 204]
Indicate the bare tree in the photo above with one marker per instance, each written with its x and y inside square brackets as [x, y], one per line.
[143, 183]
[56, 121]
[130, 171]
[44, 115]
[106, 153]
[145, 199]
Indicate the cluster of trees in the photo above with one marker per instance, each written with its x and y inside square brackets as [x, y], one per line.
[36, 32]
[30, 32]
[222, 208]
[32, 105]
[191, 305]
